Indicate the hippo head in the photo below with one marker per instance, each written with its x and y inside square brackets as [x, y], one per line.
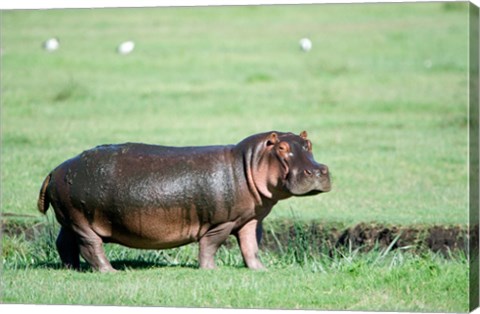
[283, 166]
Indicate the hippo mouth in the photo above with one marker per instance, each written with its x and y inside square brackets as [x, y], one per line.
[308, 189]
[311, 193]
[316, 192]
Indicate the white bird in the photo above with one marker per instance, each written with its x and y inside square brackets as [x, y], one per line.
[126, 47]
[51, 44]
[305, 44]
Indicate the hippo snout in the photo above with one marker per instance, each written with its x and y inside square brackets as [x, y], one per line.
[318, 171]
[320, 175]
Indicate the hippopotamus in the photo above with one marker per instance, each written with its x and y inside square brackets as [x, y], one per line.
[160, 197]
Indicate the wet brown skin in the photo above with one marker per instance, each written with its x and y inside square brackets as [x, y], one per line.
[158, 197]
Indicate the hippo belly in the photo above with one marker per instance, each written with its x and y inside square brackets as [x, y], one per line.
[152, 229]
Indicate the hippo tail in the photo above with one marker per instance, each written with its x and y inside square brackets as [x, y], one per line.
[43, 200]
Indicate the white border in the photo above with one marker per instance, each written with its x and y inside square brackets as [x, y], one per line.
[72, 4]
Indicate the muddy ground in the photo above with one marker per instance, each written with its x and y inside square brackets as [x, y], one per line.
[317, 237]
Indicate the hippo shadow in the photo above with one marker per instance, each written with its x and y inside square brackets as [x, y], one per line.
[134, 264]
[120, 265]
[84, 267]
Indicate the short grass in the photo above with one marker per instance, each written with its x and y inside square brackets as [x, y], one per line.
[359, 287]
[383, 95]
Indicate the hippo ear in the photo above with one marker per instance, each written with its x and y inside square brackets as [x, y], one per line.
[283, 150]
[303, 135]
[272, 139]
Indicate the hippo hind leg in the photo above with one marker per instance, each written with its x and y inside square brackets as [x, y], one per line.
[91, 249]
[67, 246]
[72, 244]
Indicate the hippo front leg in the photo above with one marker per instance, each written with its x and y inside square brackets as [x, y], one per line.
[248, 240]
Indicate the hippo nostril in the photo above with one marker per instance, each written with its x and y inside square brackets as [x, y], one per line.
[324, 170]
[308, 172]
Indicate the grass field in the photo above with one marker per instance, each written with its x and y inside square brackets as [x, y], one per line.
[370, 287]
[383, 95]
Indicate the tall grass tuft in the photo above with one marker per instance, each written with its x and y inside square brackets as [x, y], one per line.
[20, 252]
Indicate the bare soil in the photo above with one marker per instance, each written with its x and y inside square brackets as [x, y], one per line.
[368, 236]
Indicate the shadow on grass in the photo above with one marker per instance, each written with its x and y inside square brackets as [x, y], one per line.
[132, 264]
[120, 265]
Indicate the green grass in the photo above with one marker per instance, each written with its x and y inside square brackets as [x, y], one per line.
[353, 287]
[383, 95]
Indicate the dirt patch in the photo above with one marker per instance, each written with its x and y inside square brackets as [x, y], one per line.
[365, 237]
[25, 226]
